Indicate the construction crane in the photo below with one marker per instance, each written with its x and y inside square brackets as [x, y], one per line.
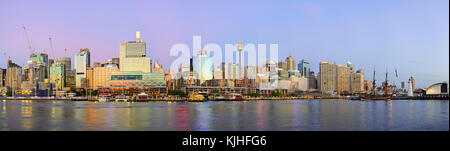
[28, 38]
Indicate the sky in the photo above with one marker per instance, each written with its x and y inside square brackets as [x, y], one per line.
[411, 36]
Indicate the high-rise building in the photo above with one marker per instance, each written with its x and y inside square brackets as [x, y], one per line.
[2, 77]
[327, 78]
[66, 61]
[282, 65]
[343, 79]
[133, 56]
[103, 74]
[312, 80]
[203, 65]
[82, 61]
[90, 77]
[304, 68]
[230, 71]
[357, 82]
[290, 63]
[57, 75]
[403, 85]
[41, 59]
[13, 75]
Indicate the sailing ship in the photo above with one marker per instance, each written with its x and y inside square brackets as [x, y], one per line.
[373, 96]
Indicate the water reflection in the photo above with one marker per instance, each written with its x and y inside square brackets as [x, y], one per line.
[206, 116]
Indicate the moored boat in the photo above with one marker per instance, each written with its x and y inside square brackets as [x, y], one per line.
[104, 98]
[121, 98]
[195, 97]
[142, 97]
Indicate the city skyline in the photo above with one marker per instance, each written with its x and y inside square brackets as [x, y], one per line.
[406, 35]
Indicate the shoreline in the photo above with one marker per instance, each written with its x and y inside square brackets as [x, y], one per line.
[246, 99]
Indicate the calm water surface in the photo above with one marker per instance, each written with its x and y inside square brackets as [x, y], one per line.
[297, 115]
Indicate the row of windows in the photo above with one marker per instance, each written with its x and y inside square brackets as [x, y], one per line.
[126, 77]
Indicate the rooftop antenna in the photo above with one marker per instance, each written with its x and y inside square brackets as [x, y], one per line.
[65, 52]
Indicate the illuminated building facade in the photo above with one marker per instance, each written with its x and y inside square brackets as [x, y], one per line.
[343, 79]
[133, 56]
[327, 76]
[103, 74]
[82, 61]
[57, 75]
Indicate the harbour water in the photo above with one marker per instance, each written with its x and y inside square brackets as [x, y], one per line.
[289, 115]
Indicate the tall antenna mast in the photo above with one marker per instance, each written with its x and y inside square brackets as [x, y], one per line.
[65, 52]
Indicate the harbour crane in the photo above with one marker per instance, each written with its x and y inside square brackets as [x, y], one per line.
[28, 39]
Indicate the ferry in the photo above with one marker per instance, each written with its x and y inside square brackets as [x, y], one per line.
[195, 97]
[142, 97]
[233, 97]
[104, 98]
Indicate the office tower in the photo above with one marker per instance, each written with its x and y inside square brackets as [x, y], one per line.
[351, 66]
[328, 78]
[41, 59]
[90, 77]
[403, 84]
[230, 71]
[343, 79]
[66, 61]
[70, 80]
[103, 74]
[2, 77]
[133, 56]
[218, 73]
[357, 82]
[13, 75]
[203, 65]
[312, 80]
[282, 65]
[82, 61]
[290, 63]
[304, 68]
[57, 75]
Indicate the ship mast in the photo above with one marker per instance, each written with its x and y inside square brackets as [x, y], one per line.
[373, 83]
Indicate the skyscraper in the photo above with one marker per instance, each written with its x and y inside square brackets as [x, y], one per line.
[327, 76]
[133, 56]
[357, 82]
[57, 75]
[343, 79]
[2, 77]
[304, 68]
[66, 61]
[290, 62]
[82, 61]
[13, 75]
[203, 66]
